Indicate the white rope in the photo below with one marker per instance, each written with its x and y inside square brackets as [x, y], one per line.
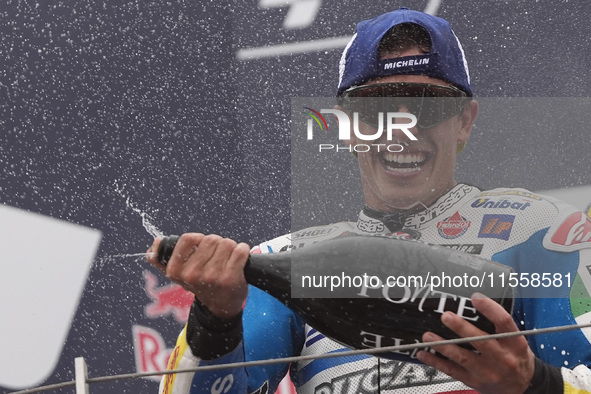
[286, 360]
[386, 349]
[46, 388]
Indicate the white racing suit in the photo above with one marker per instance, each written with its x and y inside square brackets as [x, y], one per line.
[532, 234]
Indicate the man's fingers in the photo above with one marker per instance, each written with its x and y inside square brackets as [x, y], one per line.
[495, 313]
[502, 321]
[214, 251]
[185, 246]
[189, 243]
[466, 329]
[239, 256]
[460, 326]
[152, 255]
[456, 361]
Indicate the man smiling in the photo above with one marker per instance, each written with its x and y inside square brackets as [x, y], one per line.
[424, 170]
[402, 56]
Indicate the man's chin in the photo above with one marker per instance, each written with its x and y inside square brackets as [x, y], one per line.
[405, 206]
[405, 197]
[400, 201]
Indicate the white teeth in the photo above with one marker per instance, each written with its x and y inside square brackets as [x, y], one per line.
[412, 169]
[404, 158]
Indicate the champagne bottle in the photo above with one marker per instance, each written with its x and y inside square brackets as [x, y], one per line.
[343, 287]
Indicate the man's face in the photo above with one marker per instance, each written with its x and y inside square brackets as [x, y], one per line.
[424, 169]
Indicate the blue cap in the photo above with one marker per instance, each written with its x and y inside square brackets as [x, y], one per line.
[360, 61]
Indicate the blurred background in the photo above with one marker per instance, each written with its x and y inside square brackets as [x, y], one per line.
[124, 119]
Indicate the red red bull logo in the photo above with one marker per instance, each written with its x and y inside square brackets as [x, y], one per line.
[167, 300]
[151, 353]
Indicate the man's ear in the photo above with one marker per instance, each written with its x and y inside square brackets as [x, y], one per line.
[467, 119]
